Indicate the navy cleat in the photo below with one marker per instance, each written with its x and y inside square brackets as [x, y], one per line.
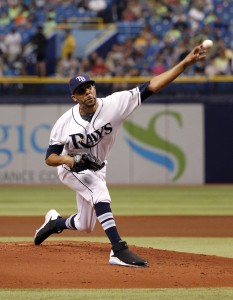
[48, 228]
[122, 256]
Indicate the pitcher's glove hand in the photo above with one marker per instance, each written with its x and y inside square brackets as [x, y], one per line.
[86, 161]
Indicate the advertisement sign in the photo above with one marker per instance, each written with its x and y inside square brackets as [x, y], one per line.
[158, 144]
[24, 137]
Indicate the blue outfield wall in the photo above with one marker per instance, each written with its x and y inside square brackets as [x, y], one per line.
[219, 143]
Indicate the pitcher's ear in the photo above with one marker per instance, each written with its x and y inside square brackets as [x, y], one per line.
[74, 98]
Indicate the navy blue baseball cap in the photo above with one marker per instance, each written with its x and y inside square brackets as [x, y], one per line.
[78, 80]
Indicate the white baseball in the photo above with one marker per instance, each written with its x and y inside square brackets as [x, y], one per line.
[207, 44]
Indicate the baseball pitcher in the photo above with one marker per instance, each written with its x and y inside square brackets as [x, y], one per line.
[79, 146]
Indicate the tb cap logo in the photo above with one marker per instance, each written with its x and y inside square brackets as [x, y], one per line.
[81, 78]
[77, 81]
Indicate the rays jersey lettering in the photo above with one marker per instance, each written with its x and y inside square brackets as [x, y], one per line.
[90, 140]
[97, 136]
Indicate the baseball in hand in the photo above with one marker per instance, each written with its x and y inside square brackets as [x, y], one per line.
[207, 44]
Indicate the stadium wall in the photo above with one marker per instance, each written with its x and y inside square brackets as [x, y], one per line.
[162, 143]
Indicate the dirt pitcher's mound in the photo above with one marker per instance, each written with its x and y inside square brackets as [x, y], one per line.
[85, 265]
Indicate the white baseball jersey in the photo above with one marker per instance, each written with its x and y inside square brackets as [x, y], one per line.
[72, 135]
[98, 136]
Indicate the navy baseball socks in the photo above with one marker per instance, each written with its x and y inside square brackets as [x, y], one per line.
[120, 253]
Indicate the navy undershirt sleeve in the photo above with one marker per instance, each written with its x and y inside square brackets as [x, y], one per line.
[57, 149]
[145, 93]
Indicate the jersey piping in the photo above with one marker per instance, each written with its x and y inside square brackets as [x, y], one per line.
[77, 121]
[98, 113]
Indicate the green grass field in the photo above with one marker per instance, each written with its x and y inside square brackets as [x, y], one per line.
[196, 200]
[126, 294]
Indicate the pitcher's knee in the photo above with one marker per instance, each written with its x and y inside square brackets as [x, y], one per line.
[89, 230]
[88, 227]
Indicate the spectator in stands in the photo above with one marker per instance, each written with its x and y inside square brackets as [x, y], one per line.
[49, 27]
[81, 5]
[211, 18]
[173, 34]
[159, 10]
[130, 67]
[99, 68]
[141, 41]
[13, 43]
[3, 48]
[69, 45]
[207, 6]
[4, 19]
[128, 45]
[118, 8]
[51, 14]
[176, 6]
[204, 15]
[103, 9]
[199, 69]
[145, 37]
[180, 20]
[221, 62]
[116, 53]
[128, 16]
[67, 66]
[39, 40]
[196, 15]
[159, 66]
[136, 8]
[21, 18]
[209, 68]
[29, 57]
[98, 6]
[170, 53]
[231, 65]
[40, 3]
[118, 69]
[13, 9]
[3, 67]
[115, 58]
[85, 66]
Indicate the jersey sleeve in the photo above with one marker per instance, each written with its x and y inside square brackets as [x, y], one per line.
[125, 102]
[145, 93]
[57, 149]
[56, 134]
[57, 138]
[128, 101]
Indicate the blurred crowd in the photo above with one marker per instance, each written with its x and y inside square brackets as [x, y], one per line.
[166, 31]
